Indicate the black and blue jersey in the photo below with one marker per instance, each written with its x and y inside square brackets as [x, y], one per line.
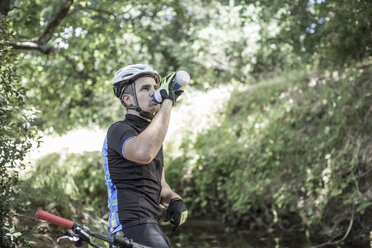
[133, 189]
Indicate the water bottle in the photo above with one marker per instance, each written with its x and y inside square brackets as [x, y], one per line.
[181, 79]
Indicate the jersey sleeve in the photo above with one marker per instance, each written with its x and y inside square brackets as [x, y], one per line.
[118, 136]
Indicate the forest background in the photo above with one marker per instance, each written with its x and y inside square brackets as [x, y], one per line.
[288, 148]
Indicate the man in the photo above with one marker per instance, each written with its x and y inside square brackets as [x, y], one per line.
[133, 159]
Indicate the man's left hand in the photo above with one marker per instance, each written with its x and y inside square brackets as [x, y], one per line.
[176, 213]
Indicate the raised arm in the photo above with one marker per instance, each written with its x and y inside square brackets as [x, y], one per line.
[144, 147]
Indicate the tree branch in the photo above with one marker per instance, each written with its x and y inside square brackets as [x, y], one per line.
[5, 7]
[30, 45]
[88, 8]
[331, 242]
[61, 14]
[41, 43]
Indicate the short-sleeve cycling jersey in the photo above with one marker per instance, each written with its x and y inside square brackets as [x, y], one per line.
[133, 189]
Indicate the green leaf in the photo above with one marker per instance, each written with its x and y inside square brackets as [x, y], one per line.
[362, 207]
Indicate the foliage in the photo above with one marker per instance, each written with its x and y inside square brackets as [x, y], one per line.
[80, 194]
[330, 32]
[72, 85]
[287, 147]
[214, 40]
[81, 189]
[17, 133]
[294, 146]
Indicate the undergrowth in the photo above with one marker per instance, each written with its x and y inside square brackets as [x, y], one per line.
[287, 152]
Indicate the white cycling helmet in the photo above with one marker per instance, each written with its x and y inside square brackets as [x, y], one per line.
[127, 75]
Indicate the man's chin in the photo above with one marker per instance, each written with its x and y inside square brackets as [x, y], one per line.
[157, 108]
[154, 108]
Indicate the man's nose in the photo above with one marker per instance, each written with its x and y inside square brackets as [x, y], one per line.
[152, 91]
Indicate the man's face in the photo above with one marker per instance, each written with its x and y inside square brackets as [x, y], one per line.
[145, 88]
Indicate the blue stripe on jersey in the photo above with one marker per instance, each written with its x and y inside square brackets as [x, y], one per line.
[122, 148]
[113, 222]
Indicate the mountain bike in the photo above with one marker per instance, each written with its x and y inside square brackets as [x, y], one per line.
[79, 234]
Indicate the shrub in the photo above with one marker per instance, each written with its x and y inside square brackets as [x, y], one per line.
[68, 186]
[288, 148]
[17, 133]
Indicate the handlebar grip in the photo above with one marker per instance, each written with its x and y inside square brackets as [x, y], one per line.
[54, 219]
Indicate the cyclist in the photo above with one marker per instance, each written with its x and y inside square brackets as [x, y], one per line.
[133, 159]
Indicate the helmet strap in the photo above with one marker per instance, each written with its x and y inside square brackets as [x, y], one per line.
[142, 113]
[146, 115]
[135, 97]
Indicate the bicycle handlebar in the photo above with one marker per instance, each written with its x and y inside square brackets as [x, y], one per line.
[54, 219]
[68, 224]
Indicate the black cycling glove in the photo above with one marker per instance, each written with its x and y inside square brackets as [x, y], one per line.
[176, 213]
[166, 87]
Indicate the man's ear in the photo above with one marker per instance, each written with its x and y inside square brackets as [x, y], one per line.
[128, 99]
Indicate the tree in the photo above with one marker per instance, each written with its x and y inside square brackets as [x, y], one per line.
[40, 43]
[17, 134]
[68, 65]
[70, 50]
[327, 32]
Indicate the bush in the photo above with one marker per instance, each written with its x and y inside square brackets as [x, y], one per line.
[68, 186]
[17, 134]
[286, 152]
